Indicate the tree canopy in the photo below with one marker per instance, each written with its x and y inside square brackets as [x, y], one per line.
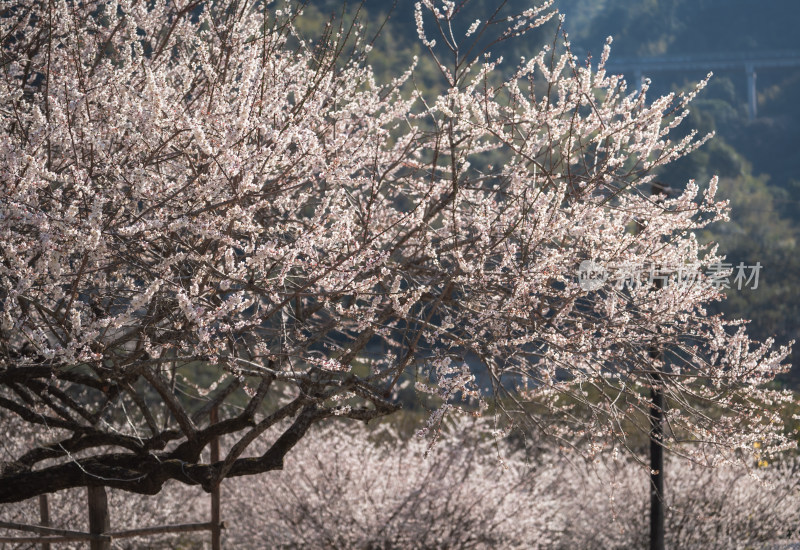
[202, 209]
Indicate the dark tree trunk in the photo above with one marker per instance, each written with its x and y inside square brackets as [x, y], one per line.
[147, 474]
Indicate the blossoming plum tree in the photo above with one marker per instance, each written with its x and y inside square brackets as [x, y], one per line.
[200, 210]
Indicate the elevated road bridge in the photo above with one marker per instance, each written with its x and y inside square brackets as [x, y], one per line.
[750, 62]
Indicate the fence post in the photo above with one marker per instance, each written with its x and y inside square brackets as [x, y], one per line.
[44, 517]
[99, 522]
[215, 513]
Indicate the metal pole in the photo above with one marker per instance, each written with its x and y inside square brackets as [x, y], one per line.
[752, 98]
[657, 531]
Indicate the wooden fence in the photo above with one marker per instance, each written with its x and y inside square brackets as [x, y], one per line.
[100, 534]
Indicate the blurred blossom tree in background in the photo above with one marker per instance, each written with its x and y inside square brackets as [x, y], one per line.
[200, 209]
[348, 487]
